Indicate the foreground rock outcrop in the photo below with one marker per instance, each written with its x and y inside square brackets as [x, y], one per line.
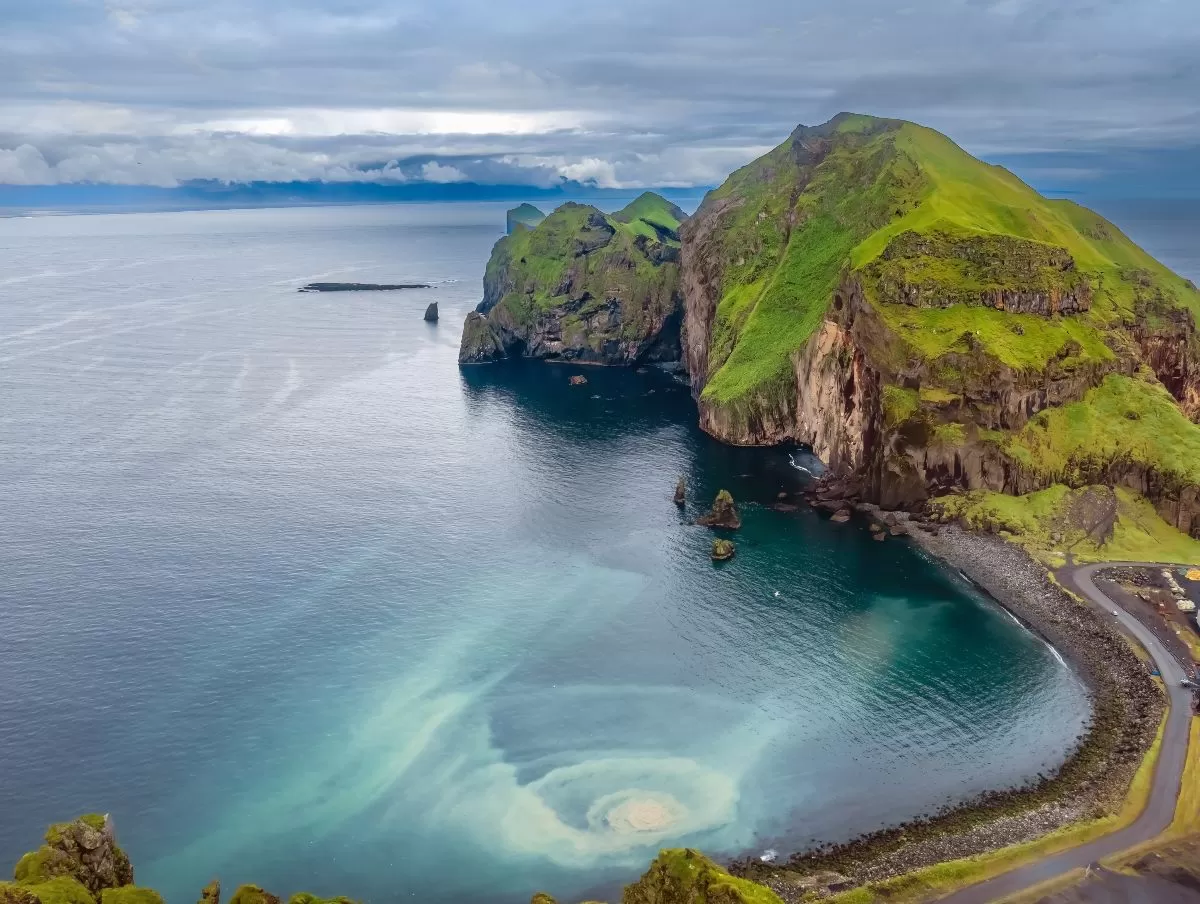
[925, 322]
[582, 285]
[81, 863]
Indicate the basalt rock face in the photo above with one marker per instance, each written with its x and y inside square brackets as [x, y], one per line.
[585, 286]
[1170, 345]
[910, 313]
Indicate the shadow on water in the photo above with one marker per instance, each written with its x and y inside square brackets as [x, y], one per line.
[617, 404]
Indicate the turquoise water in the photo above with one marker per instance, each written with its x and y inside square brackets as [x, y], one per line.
[301, 603]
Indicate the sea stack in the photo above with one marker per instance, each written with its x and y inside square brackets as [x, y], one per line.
[681, 493]
[431, 313]
[722, 550]
[724, 513]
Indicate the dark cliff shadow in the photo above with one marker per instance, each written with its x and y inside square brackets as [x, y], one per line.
[617, 404]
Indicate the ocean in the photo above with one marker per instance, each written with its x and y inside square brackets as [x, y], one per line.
[300, 602]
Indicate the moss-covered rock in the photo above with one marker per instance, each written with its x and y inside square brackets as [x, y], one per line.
[542, 898]
[253, 894]
[11, 893]
[583, 285]
[85, 849]
[130, 894]
[722, 550]
[211, 893]
[304, 897]
[60, 890]
[685, 876]
[724, 513]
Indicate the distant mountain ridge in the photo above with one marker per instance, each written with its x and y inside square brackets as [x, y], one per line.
[210, 194]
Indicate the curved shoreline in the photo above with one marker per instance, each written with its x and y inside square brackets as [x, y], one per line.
[1126, 709]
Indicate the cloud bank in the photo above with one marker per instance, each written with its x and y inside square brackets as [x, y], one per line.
[621, 95]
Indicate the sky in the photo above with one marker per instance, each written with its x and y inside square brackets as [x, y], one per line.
[1072, 94]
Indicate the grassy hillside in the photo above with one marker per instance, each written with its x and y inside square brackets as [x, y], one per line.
[897, 203]
[579, 238]
[1094, 524]
[1122, 417]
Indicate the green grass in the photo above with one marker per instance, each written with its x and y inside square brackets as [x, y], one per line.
[899, 404]
[130, 894]
[61, 890]
[650, 208]
[683, 874]
[1124, 416]
[604, 257]
[953, 224]
[1034, 521]
[934, 332]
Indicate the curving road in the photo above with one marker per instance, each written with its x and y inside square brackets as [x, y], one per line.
[1168, 773]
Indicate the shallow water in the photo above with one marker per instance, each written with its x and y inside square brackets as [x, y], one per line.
[301, 603]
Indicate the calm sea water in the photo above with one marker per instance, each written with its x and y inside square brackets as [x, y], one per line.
[301, 603]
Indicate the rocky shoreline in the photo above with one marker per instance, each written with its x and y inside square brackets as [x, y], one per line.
[1094, 779]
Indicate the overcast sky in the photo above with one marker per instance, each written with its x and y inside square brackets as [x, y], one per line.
[624, 93]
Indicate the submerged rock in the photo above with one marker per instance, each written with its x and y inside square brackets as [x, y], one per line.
[724, 513]
[578, 380]
[681, 493]
[431, 313]
[722, 550]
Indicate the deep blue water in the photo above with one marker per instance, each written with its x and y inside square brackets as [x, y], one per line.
[301, 603]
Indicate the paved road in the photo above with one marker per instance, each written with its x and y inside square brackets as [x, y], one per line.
[1160, 809]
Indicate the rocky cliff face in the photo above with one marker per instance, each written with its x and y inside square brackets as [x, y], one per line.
[871, 291]
[583, 286]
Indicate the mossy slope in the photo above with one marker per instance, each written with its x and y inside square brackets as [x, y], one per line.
[871, 289]
[685, 876]
[583, 285]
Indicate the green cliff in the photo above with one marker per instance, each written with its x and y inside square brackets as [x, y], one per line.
[583, 285]
[928, 322]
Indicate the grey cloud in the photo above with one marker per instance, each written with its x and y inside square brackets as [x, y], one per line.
[624, 92]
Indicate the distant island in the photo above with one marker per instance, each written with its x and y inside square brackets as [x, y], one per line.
[359, 287]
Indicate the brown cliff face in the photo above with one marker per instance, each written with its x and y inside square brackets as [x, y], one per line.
[1172, 350]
